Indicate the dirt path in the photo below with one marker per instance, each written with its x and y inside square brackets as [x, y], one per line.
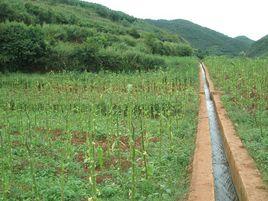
[202, 184]
[245, 175]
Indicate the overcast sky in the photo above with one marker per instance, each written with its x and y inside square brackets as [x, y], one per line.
[231, 17]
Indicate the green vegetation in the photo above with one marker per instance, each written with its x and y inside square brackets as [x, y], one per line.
[245, 39]
[110, 136]
[207, 41]
[244, 85]
[58, 35]
[259, 48]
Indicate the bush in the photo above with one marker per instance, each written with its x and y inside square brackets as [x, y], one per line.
[14, 11]
[42, 15]
[88, 54]
[6, 12]
[63, 56]
[134, 33]
[184, 50]
[201, 54]
[128, 61]
[70, 33]
[139, 61]
[21, 47]
[167, 48]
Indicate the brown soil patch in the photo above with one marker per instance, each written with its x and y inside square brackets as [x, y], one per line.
[16, 143]
[15, 133]
[78, 137]
[245, 175]
[103, 178]
[108, 163]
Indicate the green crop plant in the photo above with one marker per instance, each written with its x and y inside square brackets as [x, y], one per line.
[143, 150]
[133, 163]
[76, 119]
[29, 148]
[100, 157]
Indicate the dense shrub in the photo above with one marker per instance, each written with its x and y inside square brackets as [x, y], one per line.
[42, 15]
[70, 33]
[64, 56]
[167, 48]
[88, 54]
[6, 11]
[201, 54]
[45, 15]
[14, 12]
[110, 14]
[139, 61]
[21, 47]
[128, 61]
[134, 33]
[184, 50]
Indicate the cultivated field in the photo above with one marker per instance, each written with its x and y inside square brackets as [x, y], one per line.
[244, 86]
[75, 136]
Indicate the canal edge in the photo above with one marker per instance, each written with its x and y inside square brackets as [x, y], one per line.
[245, 175]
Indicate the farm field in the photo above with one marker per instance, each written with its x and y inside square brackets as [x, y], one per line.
[243, 83]
[110, 136]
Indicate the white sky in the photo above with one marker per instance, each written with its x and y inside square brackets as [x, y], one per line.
[231, 17]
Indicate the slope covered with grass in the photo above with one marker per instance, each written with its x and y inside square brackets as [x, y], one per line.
[259, 48]
[76, 35]
[202, 38]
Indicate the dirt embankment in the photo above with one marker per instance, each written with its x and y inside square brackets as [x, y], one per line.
[202, 182]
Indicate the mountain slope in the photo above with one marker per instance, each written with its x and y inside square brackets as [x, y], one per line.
[72, 34]
[259, 48]
[203, 38]
[245, 40]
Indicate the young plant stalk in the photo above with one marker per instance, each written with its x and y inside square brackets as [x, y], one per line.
[91, 157]
[144, 152]
[118, 140]
[6, 168]
[133, 162]
[28, 144]
[170, 133]
[161, 135]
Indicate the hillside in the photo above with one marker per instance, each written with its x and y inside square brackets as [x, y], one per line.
[203, 38]
[245, 40]
[47, 35]
[259, 48]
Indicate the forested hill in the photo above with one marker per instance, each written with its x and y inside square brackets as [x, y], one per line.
[204, 39]
[44, 35]
[259, 48]
[245, 39]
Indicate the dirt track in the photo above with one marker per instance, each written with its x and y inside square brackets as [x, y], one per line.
[245, 175]
[202, 184]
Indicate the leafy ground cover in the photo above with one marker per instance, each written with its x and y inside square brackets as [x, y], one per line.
[104, 136]
[243, 83]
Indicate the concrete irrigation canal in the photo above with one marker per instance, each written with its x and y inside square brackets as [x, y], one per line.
[222, 169]
[223, 184]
